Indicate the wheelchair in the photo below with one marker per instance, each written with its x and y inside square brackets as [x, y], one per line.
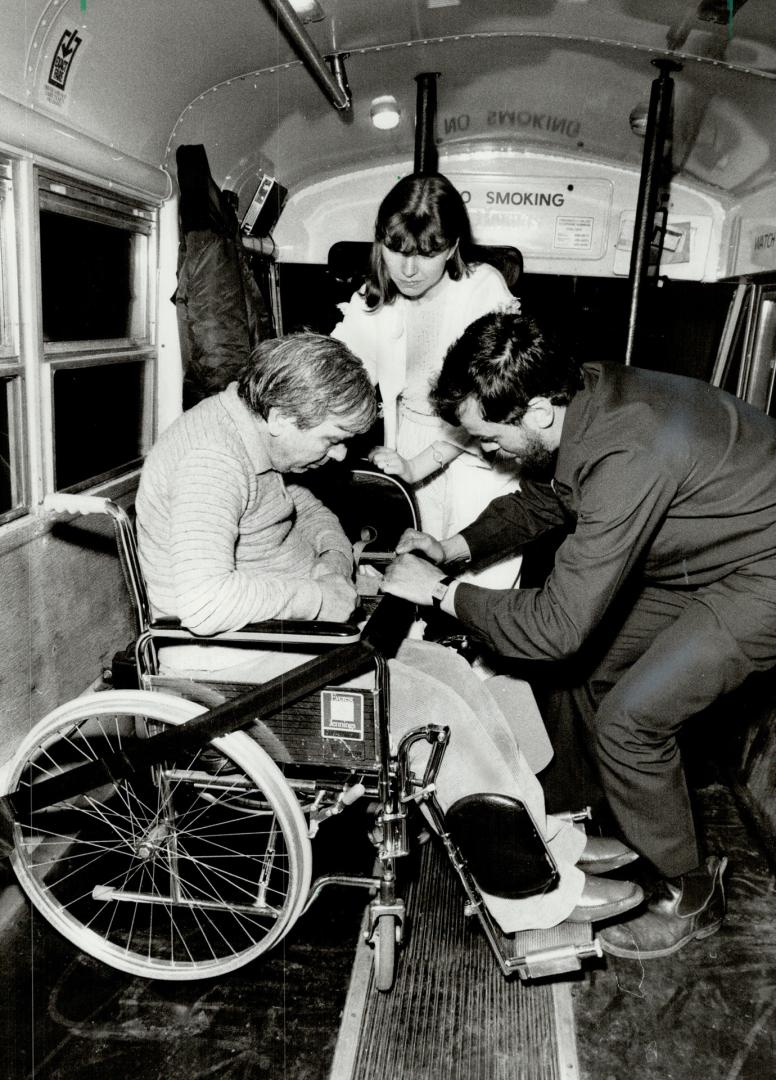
[166, 828]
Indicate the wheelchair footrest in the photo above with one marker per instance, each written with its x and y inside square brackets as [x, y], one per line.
[535, 954]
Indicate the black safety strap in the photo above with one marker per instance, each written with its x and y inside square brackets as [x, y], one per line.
[382, 635]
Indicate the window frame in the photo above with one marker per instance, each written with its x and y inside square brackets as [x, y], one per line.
[85, 201]
[145, 356]
[749, 319]
[12, 369]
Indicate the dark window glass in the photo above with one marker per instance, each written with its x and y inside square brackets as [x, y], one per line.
[681, 328]
[309, 297]
[97, 420]
[86, 282]
[6, 471]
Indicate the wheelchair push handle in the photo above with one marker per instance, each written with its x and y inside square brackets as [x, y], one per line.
[61, 503]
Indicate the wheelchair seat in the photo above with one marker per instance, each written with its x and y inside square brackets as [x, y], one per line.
[374, 510]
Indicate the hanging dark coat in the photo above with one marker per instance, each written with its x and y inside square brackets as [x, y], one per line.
[221, 312]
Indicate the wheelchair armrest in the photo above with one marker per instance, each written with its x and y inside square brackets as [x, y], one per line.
[294, 631]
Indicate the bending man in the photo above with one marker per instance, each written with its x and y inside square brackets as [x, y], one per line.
[667, 574]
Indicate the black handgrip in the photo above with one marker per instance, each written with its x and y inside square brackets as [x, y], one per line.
[256, 703]
[388, 625]
[382, 634]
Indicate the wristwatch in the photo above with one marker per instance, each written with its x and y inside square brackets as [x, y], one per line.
[439, 591]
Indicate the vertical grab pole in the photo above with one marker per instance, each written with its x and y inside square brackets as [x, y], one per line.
[426, 157]
[658, 123]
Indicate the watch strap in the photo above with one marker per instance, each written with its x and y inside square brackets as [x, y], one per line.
[440, 589]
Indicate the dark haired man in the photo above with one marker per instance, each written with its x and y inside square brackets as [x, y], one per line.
[665, 488]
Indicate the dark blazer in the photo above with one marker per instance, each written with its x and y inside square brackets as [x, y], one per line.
[657, 475]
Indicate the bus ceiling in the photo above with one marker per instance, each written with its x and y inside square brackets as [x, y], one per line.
[553, 92]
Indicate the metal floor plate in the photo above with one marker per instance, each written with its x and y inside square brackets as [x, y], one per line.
[452, 1013]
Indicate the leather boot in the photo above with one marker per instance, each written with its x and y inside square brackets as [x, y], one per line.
[683, 909]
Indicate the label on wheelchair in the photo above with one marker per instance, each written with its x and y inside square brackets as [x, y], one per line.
[342, 715]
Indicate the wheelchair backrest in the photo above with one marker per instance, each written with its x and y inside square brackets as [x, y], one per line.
[374, 510]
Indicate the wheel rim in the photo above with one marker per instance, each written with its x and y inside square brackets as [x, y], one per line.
[186, 871]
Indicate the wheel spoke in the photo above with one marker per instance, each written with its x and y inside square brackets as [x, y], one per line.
[159, 873]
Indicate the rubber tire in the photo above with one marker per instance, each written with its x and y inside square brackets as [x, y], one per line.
[98, 709]
[384, 960]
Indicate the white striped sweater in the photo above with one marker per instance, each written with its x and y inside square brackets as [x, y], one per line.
[223, 540]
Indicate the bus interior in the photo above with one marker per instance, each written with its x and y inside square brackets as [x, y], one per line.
[617, 159]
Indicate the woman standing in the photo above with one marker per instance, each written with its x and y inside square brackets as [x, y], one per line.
[422, 291]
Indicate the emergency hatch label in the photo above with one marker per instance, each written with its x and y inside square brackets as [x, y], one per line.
[547, 216]
[342, 715]
[60, 72]
[763, 251]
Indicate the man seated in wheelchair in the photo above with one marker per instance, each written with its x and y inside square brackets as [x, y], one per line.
[227, 537]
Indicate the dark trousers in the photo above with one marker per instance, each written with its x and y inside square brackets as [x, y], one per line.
[674, 654]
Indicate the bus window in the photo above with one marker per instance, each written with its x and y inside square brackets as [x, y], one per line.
[92, 299]
[11, 457]
[95, 281]
[98, 420]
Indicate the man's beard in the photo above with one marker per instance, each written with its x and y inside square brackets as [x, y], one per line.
[535, 462]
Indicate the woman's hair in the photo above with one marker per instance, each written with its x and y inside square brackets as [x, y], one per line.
[423, 214]
[310, 377]
[503, 361]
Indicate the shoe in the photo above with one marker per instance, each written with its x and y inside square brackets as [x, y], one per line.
[605, 899]
[603, 853]
[684, 908]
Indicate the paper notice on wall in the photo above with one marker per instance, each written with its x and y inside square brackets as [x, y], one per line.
[762, 251]
[574, 233]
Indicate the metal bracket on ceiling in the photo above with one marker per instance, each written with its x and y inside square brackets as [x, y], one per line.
[329, 76]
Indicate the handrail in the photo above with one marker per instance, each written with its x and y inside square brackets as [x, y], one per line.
[335, 88]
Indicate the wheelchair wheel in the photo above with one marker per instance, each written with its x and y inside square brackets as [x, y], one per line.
[185, 870]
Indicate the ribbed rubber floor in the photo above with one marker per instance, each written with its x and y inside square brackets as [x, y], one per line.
[452, 1015]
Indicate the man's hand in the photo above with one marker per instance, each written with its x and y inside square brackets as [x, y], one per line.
[332, 562]
[391, 463]
[339, 598]
[413, 540]
[411, 578]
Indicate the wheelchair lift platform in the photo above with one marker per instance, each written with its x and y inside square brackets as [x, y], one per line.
[451, 1012]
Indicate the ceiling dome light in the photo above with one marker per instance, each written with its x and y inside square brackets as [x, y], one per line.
[308, 10]
[385, 112]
